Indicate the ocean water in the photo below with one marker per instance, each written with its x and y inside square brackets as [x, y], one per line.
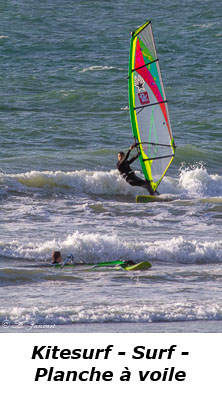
[63, 118]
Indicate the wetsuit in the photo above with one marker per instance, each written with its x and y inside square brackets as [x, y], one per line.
[129, 175]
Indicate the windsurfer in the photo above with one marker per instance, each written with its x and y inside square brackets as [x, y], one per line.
[57, 260]
[123, 165]
[56, 257]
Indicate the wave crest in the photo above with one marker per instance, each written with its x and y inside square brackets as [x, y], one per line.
[95, 247]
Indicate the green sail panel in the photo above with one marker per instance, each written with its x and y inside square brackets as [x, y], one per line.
[148, 107]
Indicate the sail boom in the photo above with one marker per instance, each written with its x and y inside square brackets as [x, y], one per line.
[156, 144]
[157, 158]
[149, 105]
[145, 65]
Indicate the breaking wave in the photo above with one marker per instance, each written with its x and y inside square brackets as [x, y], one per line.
[193, 181]
[91, 248]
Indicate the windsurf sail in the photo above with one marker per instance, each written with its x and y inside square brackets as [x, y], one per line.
[148, 107]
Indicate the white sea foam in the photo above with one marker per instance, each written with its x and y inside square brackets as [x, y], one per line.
[197, 182]
[144, 312]
[203, 26]
[179, 249]
[193, 181]
[97, 68]
[95, 182]
[97, 247]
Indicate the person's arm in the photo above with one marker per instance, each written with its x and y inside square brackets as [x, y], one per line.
[126, 157]
[133, 158]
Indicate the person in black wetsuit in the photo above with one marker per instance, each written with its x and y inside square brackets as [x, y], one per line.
[128, 174]
[56, 257]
